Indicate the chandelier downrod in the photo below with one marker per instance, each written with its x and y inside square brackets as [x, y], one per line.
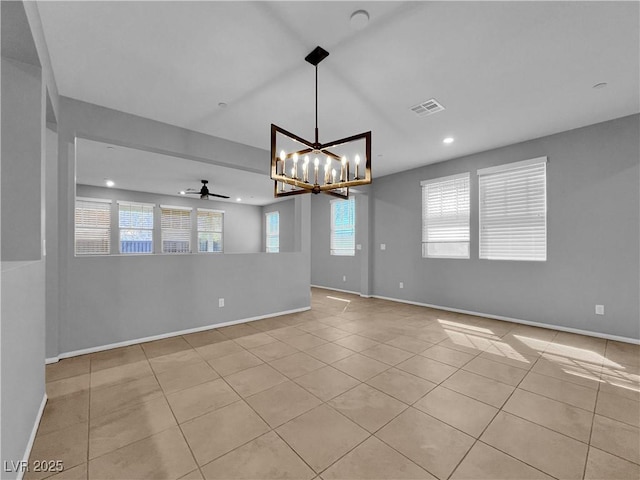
[317, 141]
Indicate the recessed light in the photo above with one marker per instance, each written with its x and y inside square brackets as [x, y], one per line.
[359, 19]
[238, 199]
[182, 192]
[600, 85]
[109, 183]
[448, 140]
[109, 147]
[222, 105]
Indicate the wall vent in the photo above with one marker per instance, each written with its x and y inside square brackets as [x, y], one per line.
[427, 108]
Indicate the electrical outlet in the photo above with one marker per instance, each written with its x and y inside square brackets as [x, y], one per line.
[344, 278]
[358, 246]
[221, 302]
[599, 309]
[401, 284]
[383, 246]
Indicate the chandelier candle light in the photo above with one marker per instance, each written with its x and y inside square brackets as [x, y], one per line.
[342, 157]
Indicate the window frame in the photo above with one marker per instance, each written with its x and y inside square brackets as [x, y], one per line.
[268, 234]
[164, 231]
[514, 168]
[198, 230]
[100, 201]
[121, 203]
[425, 224]
[333, 229]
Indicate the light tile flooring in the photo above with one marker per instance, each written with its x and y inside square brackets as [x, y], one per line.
[352, 389]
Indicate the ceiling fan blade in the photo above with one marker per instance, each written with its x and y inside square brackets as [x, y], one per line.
[216, 195]
[191, 193]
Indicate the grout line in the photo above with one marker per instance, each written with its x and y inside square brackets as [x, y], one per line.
[360, 382]
[477, 439]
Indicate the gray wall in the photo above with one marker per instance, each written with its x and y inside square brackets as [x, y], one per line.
[121, 298]
[21, 160]
[23, 345]
[22, 277]
[52, 244]
[286, 209]
[328, 270]
[113, 299]
[242, 223]
[592, 242]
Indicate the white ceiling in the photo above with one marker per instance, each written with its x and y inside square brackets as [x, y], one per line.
[505, 71]
[143, 171]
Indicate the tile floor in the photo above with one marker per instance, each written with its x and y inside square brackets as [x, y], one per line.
[352, 389]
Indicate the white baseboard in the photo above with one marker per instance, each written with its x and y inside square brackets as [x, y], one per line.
[48, 361]
[589, 333]
[135, 341]
[32, 437]
[339, 290]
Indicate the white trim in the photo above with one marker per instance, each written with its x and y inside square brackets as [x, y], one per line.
[137, 204]
[213, 210]
[175, 207]
[49, 361]
[32, 437]
[336, 289]
[446, 179]
[635, 341]
[91, 199]
[511, 166]
[126, 343]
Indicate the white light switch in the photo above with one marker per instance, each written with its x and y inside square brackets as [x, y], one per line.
[383, 246]
[221, 302]
[599, 309]
[358, 247]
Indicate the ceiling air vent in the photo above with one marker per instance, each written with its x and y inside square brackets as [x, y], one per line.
[427, 108]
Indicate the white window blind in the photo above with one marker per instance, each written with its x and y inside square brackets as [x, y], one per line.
[93, 227]
[445, 217]
[176, 229]
[343, 227]
[135, 221]
[210, 223]
[273, 232]
[513, 211]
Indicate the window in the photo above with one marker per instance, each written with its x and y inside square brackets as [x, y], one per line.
[136, 227]
[343, 227]
[445, 217]
[513, 211]
[210, 230]
[176, 229]
[93, 226]
[273, 232]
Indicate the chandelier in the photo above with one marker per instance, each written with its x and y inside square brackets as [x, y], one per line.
[300, 166]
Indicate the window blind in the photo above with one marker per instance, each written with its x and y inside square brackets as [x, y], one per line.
[210, 224]
[93, 227]
[513, 211]
[176, 229]
[273, 232]
[343, 227]
[445, 217]
[135, 221]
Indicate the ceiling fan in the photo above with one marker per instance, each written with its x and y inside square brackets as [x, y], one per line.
[203, 192]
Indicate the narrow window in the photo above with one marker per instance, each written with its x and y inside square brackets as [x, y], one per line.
[272, 229]
[92, 226]
[176, 229]
[210, 223]
[343, 227]
[135, 221]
